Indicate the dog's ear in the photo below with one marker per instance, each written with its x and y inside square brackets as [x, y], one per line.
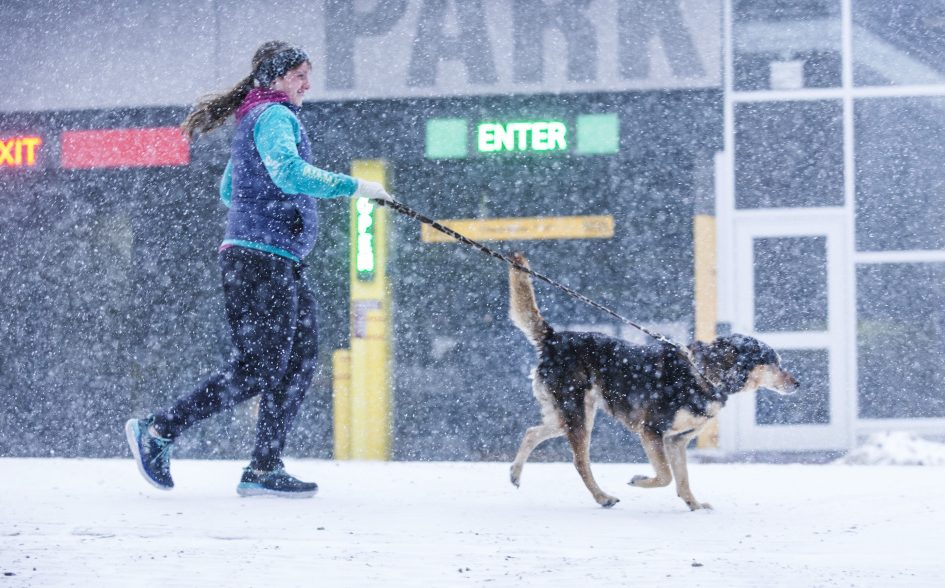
[752, 352]
[699, 349]
[722, 353]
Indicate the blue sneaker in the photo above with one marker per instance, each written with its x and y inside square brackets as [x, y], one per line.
[152, 453]
[274, 483]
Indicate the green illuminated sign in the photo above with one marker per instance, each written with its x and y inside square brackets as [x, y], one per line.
[364, 243]
[522, 137]
[585, 134]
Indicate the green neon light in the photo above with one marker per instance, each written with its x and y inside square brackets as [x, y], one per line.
[522, 137]
[591, 134]
[598, 134]
[446, 138]
[364, 239]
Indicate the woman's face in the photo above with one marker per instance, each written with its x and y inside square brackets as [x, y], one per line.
[294, 83]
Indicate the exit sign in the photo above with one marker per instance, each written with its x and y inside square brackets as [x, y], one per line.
[19, 151]
[582, 134]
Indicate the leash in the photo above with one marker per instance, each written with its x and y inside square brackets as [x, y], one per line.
[409, 212]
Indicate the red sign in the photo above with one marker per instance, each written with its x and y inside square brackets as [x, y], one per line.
[124, 148]
[19, 151]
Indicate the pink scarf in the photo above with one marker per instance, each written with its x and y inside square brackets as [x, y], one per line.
[259, 96]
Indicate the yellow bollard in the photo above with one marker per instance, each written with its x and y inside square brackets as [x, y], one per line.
[341, 402]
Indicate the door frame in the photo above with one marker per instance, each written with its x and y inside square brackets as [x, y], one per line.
[743, 432]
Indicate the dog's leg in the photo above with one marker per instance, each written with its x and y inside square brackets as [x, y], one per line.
[534, 437]
[579, 423]
[656, 452]
[580, 445]
[551, 426]
[676, 450]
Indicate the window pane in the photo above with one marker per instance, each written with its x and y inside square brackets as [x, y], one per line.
[788, 154]
[900, 176]
[897, 43]
[901, 340]
[790, 284]
[811, 403]
[786, 45]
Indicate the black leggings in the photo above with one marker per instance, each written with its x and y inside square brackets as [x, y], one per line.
[272, 315]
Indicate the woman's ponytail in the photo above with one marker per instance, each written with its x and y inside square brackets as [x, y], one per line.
[211, 111]
[271, 60]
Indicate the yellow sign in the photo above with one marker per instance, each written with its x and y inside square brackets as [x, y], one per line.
[524, 228]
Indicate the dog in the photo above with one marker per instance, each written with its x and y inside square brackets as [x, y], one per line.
[663, 393]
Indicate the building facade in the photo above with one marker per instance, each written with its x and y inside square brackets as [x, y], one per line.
[758, 166]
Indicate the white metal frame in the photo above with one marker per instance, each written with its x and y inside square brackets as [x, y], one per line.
[729, 219]
[829, 223]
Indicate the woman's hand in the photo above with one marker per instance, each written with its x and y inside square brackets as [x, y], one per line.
[372, 191]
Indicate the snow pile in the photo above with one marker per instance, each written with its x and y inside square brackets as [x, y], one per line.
[896, 448]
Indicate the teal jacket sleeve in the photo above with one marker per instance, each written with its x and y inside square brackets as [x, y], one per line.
[226, 184]
[276, 134]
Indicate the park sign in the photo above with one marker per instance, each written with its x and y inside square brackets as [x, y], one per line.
[401, 48]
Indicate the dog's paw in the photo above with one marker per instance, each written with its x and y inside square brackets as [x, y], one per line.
[607, 501]
[515, 476]
[638, 480]
[699, 506]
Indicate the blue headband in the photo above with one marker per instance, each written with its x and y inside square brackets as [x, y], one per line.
[277, 65]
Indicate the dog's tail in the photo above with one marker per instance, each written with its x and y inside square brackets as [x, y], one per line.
[523, 307]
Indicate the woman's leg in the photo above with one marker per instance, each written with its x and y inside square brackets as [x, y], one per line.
[278, 409]
[261, 307]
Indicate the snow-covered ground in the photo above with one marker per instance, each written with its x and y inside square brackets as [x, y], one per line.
[96, 523]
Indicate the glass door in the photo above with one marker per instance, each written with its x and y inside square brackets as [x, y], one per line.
[790, 292]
